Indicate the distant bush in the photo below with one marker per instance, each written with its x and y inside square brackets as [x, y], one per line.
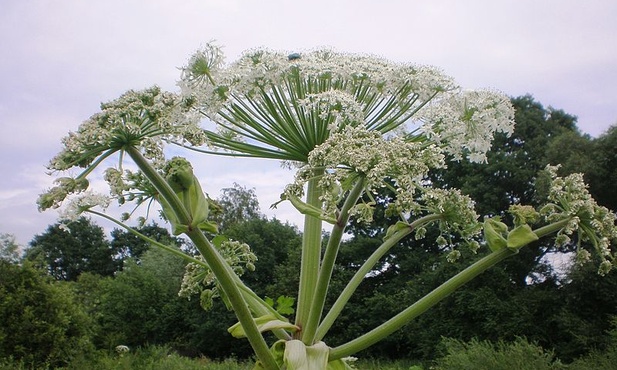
[600, 360]
[483, 355]
[152, 358]
[597, 361]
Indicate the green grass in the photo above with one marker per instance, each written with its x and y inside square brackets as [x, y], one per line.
[474, 355]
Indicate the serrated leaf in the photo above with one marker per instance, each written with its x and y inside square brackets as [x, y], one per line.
[284, 305]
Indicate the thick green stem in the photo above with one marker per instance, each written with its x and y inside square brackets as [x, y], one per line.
[420, 306]
[551, 228]
[434, 297]
[223, 272]
[226, 279]
[165, 191]
[359, 276]
[311, 255]
[327, 264]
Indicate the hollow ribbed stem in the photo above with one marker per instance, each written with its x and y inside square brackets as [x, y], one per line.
[358, 277]
[311, 255]
[218, 265]
[327, 264]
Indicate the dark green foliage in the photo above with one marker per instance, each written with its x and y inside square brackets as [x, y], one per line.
[605, 359]
[40, 322]
[131, 307]
[273, 242]
[129, 245]
[153, 358]
[603, 177]
[588, 304]
[65, 255]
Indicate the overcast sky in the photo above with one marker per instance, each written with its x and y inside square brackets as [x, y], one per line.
[60, 58]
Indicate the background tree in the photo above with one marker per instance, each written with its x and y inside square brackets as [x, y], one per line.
[131, 305]
[67, 254]
[128, 245]
[237, 204]
[603, 177]
[9, 249]
[41, 323]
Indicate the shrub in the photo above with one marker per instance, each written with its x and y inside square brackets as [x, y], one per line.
[483, 355]
[40, 322]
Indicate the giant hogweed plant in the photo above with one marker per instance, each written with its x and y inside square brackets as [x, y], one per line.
[350, 126]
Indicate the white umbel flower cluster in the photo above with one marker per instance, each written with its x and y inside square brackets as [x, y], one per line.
[465, 123]
[144, 119]
[199, 279]
[83, 202]
[594, 224]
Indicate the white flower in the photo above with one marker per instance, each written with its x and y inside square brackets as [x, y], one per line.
[81, 203]
[144, 119]
[571, 201]
[283, 107]
[464, 123]
[121, 349]
[356, 151]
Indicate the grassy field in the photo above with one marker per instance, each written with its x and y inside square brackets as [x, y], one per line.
[474, 355]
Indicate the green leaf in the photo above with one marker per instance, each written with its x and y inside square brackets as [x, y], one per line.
[520, 237]
[218, 240]
[394, 228]
[494, 231]
[284, 305]
[176, 227]
[264, 323]
[307, 209]
[209, 227]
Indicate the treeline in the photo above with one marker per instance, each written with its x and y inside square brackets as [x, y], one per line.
[76, 292]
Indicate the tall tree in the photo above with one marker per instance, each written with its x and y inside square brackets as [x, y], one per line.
[40, 322]
[237, 204]
[65, 254]
[9, 249]
[604, 175]
[128, 245]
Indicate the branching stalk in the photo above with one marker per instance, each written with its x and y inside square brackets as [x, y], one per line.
[420, 306]
[359, 276]
[434, 297]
